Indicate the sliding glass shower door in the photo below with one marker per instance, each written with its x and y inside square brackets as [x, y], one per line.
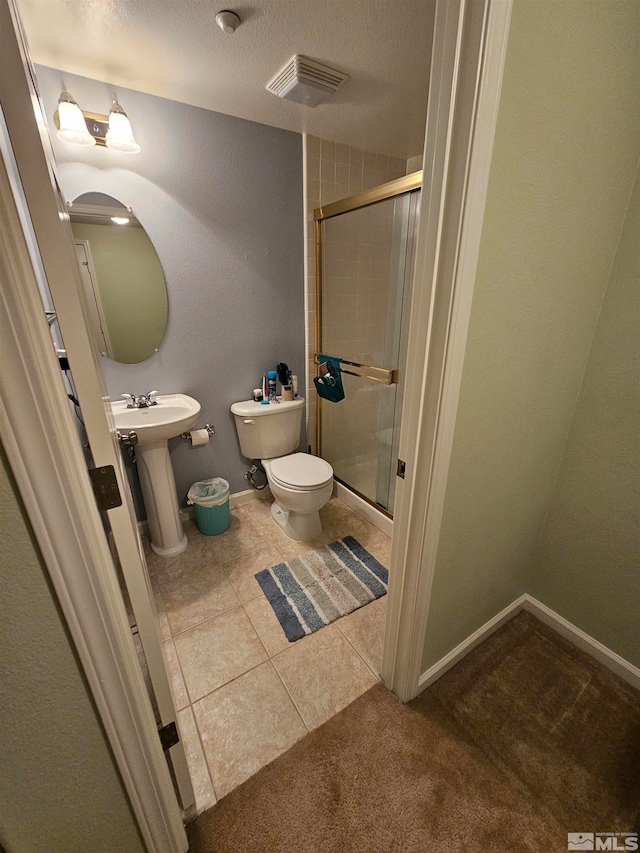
[365, 271]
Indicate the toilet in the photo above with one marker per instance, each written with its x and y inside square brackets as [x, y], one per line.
[301, 484]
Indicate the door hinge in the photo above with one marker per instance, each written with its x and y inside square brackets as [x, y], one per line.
[105, 487]
[401, 469]
[168, 736]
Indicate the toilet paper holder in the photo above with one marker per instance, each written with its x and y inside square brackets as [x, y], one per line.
[209, 428]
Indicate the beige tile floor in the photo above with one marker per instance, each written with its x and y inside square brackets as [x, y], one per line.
[245, 694]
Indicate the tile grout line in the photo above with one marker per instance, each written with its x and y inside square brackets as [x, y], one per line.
[230, 681]
[204, 621]
[275, 669]
[369, 667]
[204, 754]
[184, 680]
[289, 694]
[195, 721]
[206, 761]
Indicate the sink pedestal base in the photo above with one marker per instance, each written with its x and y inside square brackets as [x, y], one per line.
[160, 499]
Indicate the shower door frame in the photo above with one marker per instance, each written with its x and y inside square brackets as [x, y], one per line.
[392, 189]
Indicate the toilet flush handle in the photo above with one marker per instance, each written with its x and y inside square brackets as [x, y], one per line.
[249, 421]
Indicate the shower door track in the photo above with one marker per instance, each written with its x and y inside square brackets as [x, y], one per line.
[355, 491]
[399, 186]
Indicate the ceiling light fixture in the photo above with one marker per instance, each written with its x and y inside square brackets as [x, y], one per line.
[119, 220]
[228, 21]
[82, 128]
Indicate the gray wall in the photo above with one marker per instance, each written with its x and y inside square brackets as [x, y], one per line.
[588, 564]
[59, 788]
[221, 199]
[565, 156]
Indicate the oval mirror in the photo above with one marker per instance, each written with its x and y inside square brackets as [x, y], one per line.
[123, 280]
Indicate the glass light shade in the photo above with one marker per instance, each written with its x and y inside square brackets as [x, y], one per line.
[72, 124]
[120, 135]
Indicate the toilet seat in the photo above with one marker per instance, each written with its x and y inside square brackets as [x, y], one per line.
[300, 471]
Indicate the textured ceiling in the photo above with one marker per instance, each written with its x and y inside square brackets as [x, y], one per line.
[175, 50]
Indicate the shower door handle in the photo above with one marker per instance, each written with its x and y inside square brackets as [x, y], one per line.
[383, 375]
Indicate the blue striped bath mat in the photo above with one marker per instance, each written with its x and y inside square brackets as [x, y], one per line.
[318, 587]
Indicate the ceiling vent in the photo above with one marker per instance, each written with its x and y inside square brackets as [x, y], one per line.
[306, 81]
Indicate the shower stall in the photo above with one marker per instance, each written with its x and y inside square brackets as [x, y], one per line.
[365, 250]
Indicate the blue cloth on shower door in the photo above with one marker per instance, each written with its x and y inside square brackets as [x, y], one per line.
[329, 385]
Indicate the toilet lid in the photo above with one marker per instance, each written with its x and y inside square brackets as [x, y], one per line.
[301, 471]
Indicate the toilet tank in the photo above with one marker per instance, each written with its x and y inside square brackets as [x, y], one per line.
[268, 431]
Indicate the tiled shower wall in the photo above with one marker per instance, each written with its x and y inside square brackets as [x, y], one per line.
[334, 171]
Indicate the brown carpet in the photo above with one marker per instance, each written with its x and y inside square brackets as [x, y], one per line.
[523, 741]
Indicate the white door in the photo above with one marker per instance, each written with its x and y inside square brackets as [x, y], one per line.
[53, 256]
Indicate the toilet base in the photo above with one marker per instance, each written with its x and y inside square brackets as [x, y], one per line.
[294, 525]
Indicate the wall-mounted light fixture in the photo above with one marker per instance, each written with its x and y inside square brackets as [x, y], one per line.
[82, 128]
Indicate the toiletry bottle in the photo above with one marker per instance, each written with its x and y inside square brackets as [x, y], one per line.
[271, 378]
[294, 382]
[265, 391]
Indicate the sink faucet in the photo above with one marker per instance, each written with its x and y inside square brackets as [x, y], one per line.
[141, 401]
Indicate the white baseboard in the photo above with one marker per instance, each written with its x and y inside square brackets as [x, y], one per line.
[188, 513]
[462, 650]
[368, 512]
[618, 665]
[248, 495]
[621, 667]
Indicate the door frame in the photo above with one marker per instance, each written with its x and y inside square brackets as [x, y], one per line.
[56, 491]
[469, 50]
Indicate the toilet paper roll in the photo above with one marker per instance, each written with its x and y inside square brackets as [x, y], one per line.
[199, 436]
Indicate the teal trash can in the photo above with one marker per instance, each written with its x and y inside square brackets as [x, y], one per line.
[211, 500]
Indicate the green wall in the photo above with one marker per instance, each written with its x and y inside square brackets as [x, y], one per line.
[565, 156]
[132, 288]
[59, 788]
[588, 564]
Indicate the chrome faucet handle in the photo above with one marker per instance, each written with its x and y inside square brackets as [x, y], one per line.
[130, 400]
[151, 398]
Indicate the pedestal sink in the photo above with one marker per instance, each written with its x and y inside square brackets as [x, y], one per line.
[155, 425]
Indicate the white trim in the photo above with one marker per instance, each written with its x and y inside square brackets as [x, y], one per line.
[461, 118]
[353, 501]
[368, 512]
[612, 661]
[188, 513]
[246, 496]
[462, 649]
